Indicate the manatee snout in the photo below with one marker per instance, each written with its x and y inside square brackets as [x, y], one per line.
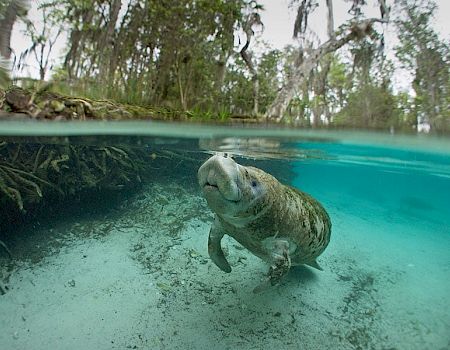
[218, 177]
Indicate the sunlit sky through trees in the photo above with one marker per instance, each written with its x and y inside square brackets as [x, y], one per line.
[278, 19]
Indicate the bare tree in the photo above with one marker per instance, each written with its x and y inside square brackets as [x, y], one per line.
[354, 30]
[43, 40]
[302, 72]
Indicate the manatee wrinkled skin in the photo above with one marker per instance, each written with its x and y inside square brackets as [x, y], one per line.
[277, 223]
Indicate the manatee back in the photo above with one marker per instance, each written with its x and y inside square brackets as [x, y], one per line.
[283, 212]
[304, 220]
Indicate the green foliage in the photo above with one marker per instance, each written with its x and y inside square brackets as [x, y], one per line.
[338, 82]
[4, 75]
[238, 89]
[407, 118]
[203, 115]
[223, 115]
[164, 52]
[369, 107]
[268, 73]
[427, 57]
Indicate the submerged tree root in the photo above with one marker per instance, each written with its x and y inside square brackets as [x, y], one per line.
[5, 247]
[3, 287]
[33, 174]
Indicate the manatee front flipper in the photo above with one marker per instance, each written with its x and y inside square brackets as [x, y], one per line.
[280, 251]
[215, 250]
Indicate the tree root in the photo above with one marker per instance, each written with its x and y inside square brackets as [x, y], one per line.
[36, 160]
[4, 246]
[30, 172]
[2, 289]
[12, 180]
[11, 193]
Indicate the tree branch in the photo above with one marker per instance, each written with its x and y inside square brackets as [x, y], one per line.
[355, 31]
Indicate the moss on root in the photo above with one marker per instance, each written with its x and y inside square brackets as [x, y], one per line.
[41, 103]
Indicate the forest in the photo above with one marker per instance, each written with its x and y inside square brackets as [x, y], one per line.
[204, 58]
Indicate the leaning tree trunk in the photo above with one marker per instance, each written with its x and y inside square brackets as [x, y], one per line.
[106, 42]
[6, 25]
[14, 9]
[301, 72]
[253, 19]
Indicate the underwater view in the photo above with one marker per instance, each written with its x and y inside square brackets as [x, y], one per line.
[104, 238]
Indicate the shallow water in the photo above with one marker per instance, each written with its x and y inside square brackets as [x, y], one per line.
[130, 268]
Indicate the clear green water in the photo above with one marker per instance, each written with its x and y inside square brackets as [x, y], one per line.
[146, 281]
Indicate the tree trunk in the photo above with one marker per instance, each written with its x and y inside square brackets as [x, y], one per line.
[330, 23]
[220, 72]
[106, 42]
[302, 71]
[253, 19]
[7, 23]
[319, 82]
[115, 54]
[77, 40]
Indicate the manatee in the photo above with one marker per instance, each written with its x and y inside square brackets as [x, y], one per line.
[279, 224]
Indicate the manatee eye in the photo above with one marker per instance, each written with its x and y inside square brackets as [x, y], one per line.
[254, 183]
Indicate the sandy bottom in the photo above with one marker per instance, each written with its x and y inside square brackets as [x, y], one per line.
[139, 277]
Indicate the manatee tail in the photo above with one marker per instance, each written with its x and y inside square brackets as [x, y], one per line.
[314, 264]
[262, 287]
